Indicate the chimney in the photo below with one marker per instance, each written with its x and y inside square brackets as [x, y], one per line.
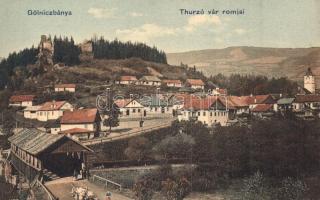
[255, 100]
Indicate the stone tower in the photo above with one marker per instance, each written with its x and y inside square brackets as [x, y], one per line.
[309, 81]
[45, 56]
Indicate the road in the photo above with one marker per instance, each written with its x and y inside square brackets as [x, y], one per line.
[61, 189]
[130, 128]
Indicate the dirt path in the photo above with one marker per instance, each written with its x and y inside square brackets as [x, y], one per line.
[61, 189]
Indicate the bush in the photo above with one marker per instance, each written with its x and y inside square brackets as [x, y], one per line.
[291, 189]
[255, 188]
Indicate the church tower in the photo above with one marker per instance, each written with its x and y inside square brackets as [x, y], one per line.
[309, 81]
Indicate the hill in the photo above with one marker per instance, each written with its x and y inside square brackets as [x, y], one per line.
[271, 62]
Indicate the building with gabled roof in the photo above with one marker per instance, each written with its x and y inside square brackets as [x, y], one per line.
[127, 80]
[22, 100]
[36, 153]
[65, 88]
[195, 83]
[175, 83]
[306, 102]
[154, 104]
[84, 119]
[130, 108]
[53, 110]
[150, 81]
[210, 111]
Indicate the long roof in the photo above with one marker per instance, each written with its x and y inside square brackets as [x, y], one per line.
[35, 141]
[307, 98]
[285, 101]
[79, 116]
[69, 85]
[21, 98]
[195, 82]
[150, 78]
[128, 78]
[52, 105]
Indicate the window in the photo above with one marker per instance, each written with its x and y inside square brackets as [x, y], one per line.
[156, 109]
[133, 110]
[139, 110]
[215, 113]
[204, 113]
[198, 113]
[210, 114]
[86, 126]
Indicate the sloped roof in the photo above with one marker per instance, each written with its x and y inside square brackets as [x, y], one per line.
[122, 102]
[70, 85]
[204, 103]
[150, 78]
[245, 101]
[128, 78]
[34, 141]
[21, 98]
[262, 108]
[32, 108]
[172, 81]
[195, 82]
[74, 131]
[79, 116]
[154, 101]
[52, 105]
[285, 101]
[307, 98]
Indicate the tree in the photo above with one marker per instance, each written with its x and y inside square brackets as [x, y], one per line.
[109, 109]
[176, 189]
[292, 189]
[138, 149]
[178, 146]
[142, 189]
[255, 188]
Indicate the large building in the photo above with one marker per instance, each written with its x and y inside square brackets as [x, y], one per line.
[35, 153]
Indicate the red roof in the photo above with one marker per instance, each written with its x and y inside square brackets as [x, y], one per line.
[262, 108]
[195, 82]
[245, 101]
[122, 102]
[172, 81]
[74, 131]
[65, 86]
[52, 105]
[128, 78]
[307, 98]
[203, 103]
[21, 98]
[79, 116]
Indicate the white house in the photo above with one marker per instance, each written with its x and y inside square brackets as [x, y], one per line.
[209, 111]
[150, 81]
[130, 108]
[21, 100]
[83, 123]
[310, 102]
[195, 83]
[155, 105]
[31, 112]
[53, 110]
[65, 88]
[172, 83]
[127, 80]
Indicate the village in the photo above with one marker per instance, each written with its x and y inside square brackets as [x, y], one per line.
[57, 139]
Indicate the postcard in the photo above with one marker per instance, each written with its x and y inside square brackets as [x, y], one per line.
[159, 100]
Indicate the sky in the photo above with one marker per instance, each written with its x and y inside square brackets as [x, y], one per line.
[265, 23]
